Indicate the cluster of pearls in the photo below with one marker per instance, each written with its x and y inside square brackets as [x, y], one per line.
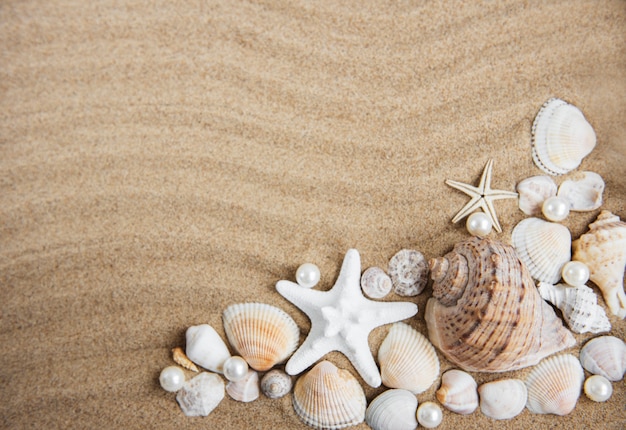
[555, 208]
[235, 368]
[308, 275]
[575, 273]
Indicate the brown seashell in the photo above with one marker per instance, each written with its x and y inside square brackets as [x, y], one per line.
[181, 358]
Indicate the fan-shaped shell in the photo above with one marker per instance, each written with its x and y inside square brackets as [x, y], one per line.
[605, 356]
[408, 270]
[246, 389]
[263, 335]
[458, 392]
[206, 348]
[495, 320]
[543, 246]
[276, 384]
[375, 283]
[583, 191]
[329, 398]
[561, 137]
[407, 359]
[393, 409]
[533, 192]
[554, 386]
[503, 399]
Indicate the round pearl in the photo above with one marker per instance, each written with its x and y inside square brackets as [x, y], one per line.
[478, 224]
[172, 378]
[235, 368]
[555, 208]
[575, 273]
[598, 388]
[429, 415]
[308, 275]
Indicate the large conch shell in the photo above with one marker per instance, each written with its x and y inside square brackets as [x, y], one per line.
[603, 250]
[486, 314]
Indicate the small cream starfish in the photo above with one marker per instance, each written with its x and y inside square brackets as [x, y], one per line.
[482, 197]
[341, 320]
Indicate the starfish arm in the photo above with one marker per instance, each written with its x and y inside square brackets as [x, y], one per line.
[466, 188]
[485, 179]
[314, 347]
[490, 210]
[305, 299]
[470, 207]
[359, 353]
[382, 313]
[501, 194]
[349, 278]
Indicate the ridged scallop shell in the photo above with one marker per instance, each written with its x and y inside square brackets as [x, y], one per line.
[554, 386]
[579, 306]
[178, 355]
[561, 137]
[605, 356]
[206, 348]
[263, 335]
[486, 314]
[276, 384]
[329, 398]
[533, 192]
[583, 191]
[245, 390]
[393, 409]
[543, 246]
[375, 283]
[407, 359]
[603, 250]
[408, 270]
[503, 399]
[201, 394]
[458, 392]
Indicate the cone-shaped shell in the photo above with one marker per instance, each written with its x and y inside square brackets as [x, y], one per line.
[206, 348]
[393, 409]
[605, 356]
[498, 321]
[503, 399]
[407, 360]
[263, 335]
[329, 398]
[533, 192]
[458, 392]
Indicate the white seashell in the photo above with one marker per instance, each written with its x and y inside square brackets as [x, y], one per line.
[206, 348]
[458, 392]
[407, 359]
[408, 270]
[329, 398]
[276, 384]
[503, 399]
[262, 334]
[605, 356]
[375, 283]
[246, 389]
[544, 247]
[579, 306]
[561, 137]
[393, 409]
[533, 192]
[583, 191]
[201, 394]
[554, 385]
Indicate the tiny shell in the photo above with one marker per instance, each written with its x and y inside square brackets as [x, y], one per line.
[458, 392]
[503, 399]
[276, 384]
[583, 191]
[245, 390]
[201, 394]
[605, 356]
[408, 270]
[393, 409]
[375, 283]
[533, 192]
[206, 348]
[180, 358]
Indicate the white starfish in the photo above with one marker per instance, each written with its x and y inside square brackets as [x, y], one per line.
[482, 197]
[341, 320]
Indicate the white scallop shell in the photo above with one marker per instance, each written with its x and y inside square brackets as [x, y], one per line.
[561, 137]
[408, 270]
[407, 359]
[533, 192]
[583, 191]
[246, 389]
[503, 399]
[375, 283]
[262, 334]
[554, 385]
[276, 384]
[544, 247]
[393, 409]
[201, 394]
[206, 348]
[458, 392]
[605, 356]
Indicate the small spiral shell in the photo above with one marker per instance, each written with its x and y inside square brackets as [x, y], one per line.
[276, 384]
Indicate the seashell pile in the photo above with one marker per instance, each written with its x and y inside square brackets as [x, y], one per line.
[393, 409]
[503, 399]
[605, 356]
[458, 392]
[408, 270]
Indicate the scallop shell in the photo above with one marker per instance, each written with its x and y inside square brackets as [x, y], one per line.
[201, 394]
[276, 384]
[393, 409]
[458, 392]
[543, 246]
[180, 358]
[408, 270]
[579, 306]
[245, 390]
[375, 283]
[554, 386]
[533, 192]
[503, 399]
[561, 137]
[407, 360]
[206, 348]
[603, 250]
[486, 314]
[605, 356]
[583, 191]
[263, 335]
[329, 398]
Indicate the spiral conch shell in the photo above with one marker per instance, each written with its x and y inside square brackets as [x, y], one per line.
[486, 314]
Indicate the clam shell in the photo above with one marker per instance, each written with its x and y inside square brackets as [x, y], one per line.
[206, 348]
[408, 270]
[605, 356]
[407, 360]
[543, 246]
[458, 392]
[329, 398]
[486, 314]
[375, 283]
[246, 389]
[276, 384]
[561, 137]
[503, 399]
[533, 192]
[393, 409]
[583, 191]
[201, 394]
[262, 334]
[554, 386]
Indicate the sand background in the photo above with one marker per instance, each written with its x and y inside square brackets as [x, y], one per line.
[162, 160]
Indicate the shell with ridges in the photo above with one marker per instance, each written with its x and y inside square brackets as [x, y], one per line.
[458, 392]
[375, 283]
[246, 389]
[276, 384]
[503, 399]
[178, 355]
[533, 192]
[393, 409]
[583, 191]
[201, 394]
[605, 356]
[206, 348]
[408, 270]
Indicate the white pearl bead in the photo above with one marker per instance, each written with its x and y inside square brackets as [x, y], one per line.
[429, 415]
[598, 388]
[172, 378]
[235, 368]
[575, 273]
[555, 208]
[478, 224]
[308, 275]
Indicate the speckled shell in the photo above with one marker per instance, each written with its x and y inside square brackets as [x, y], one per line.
[583, 191]
[245, 390]
[408, 270]
[605, 356]
[375, 283]
[393, 409]
[503, 399]
[533, 192]
[486, 314]
[276, 384]
[458, 392]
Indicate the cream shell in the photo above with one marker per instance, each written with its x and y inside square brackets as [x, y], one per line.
[201, 394]
[393, 409]
[206, 348]
[458, 392]
[503, 399]
[605, 356]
